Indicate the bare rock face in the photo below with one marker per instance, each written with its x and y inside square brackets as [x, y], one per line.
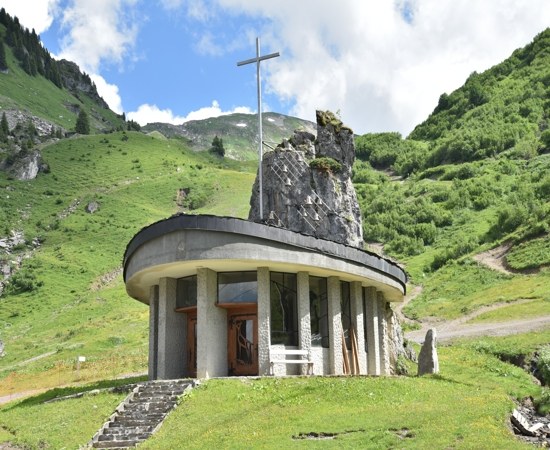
[27, 167]
[307, 184]
[428, 362]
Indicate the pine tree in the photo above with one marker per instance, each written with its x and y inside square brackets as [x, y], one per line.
[82, 123]
[217, 146]
[3, 62]
[4, 127]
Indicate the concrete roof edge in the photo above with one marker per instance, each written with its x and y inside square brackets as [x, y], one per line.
[268, 232]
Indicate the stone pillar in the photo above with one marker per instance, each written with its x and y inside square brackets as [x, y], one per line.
[211, 327]
[383, 335]
[371, 320]
[356, 299]
[304, 322]
[171, 327]
[264, 326]
[153, 331]
[334, 295]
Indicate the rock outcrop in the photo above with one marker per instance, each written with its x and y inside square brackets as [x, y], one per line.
[27, 167]
[307, 184]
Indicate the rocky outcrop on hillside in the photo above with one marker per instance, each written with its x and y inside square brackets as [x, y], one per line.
[27, 167]
[78, 82]
[307, 184]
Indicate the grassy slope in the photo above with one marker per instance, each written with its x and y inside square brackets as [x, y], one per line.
[467, 407]
[135, 181]
[42, 98]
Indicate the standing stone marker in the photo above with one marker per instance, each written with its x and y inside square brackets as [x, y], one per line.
[428, 362]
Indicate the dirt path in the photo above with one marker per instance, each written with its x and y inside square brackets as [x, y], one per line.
[460, 328]
[483, 329]
[494, 258]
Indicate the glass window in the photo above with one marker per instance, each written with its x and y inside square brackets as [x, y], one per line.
[318, 311]
[186, 292]
[237, 287]
[365, 325]
[345, 305]
[284, 309]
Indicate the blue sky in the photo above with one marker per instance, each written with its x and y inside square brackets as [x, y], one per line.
[381, 64]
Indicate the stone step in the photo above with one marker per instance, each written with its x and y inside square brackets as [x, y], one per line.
[133, 414]
[146, 396]
[124, 437]
[116, 431]
[132, 422]
[116, 444]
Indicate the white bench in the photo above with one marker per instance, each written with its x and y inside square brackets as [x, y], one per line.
[278, 356]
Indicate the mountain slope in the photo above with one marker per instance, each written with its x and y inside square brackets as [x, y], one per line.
[238, 131]
[35, 84]
[503, 108]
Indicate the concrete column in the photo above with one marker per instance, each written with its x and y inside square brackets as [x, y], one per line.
[304, 322]
[383, 335]
[334, 295]
[211, 327]
[373, 342]
[153, 331]
[356, 298]
[171, 326]
[264, 326]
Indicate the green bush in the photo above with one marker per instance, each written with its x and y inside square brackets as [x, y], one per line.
[326, 164]
[543, 365]
[23, 281]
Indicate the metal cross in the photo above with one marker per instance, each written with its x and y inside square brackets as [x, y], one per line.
[257, 60]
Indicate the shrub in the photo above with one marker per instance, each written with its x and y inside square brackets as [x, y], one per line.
[326, 164]
[543, 365]
[23, 281]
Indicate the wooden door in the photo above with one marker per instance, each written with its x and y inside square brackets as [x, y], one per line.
[242, 343]
[192, 345]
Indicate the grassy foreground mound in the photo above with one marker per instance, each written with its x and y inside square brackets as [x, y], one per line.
[468, 406]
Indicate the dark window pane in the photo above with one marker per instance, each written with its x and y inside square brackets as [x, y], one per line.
[186, 292]
[345, 305]
[284, 309]
[318, 310]
[237, 287]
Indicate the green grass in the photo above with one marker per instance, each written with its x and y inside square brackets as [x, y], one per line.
[459, 288]
[530, 254]
[135, 181]
[42, 98]
[466, 406]
[527, 310]
[69, 423]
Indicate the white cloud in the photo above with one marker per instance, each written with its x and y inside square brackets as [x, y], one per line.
[38, 15]
[109, 92]
[152, 113]
[381, 70]
[99, 31]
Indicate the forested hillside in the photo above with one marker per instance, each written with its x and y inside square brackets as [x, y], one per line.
[41, 97]
[473, 176]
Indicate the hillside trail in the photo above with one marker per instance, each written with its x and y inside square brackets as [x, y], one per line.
[457, 328]
[447, 330]
[494, 258]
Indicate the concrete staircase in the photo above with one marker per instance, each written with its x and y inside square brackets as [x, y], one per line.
[140, 414]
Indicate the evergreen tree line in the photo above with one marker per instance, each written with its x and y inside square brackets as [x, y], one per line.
[27, 48]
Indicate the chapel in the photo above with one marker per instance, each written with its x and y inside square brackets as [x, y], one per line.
[288, 291]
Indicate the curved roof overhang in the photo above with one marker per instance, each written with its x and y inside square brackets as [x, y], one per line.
[176, 247]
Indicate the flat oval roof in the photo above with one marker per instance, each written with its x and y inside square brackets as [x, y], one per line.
[247, 230]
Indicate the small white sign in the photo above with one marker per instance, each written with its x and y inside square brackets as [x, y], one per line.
[81, 359]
